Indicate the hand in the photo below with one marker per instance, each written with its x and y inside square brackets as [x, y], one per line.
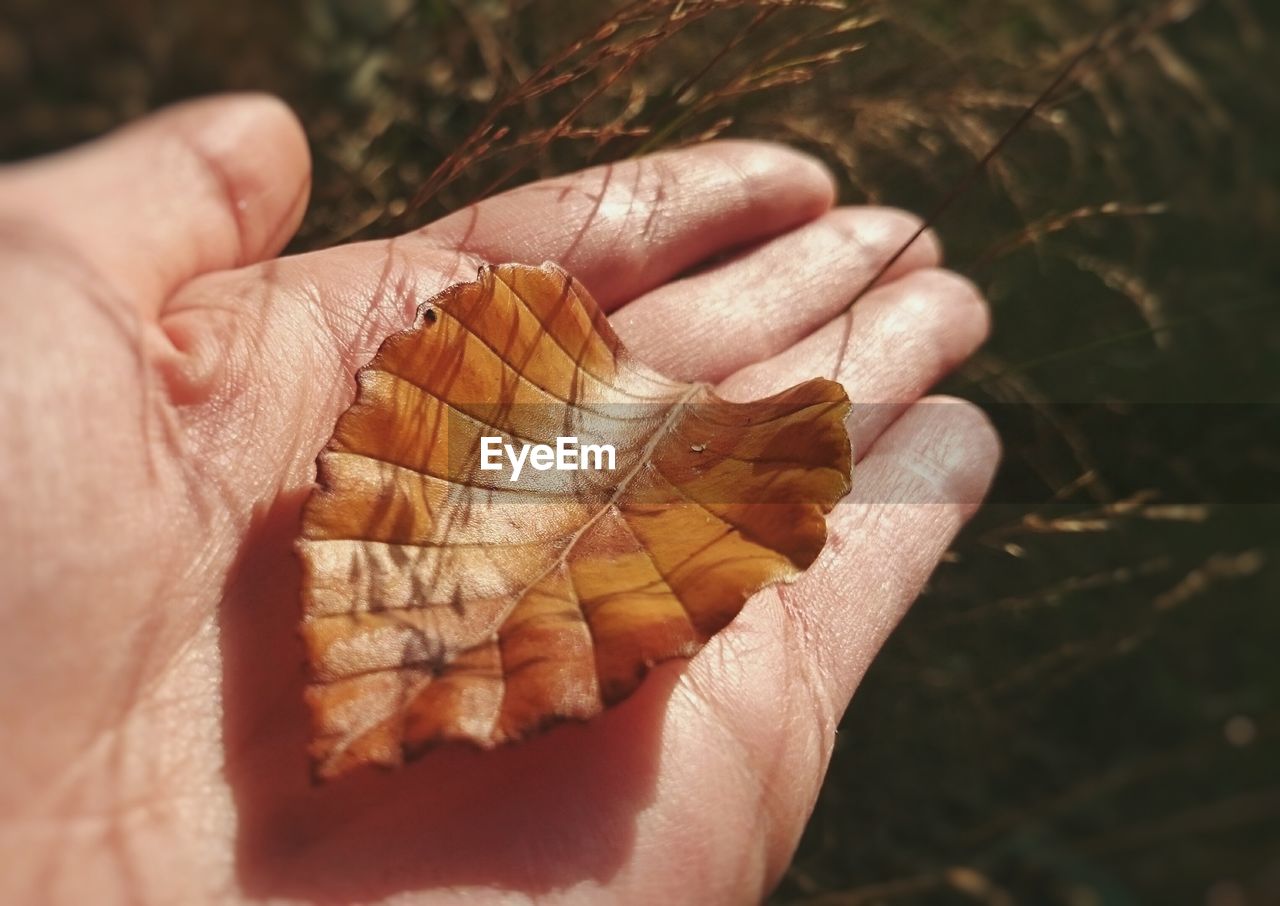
[167, 383]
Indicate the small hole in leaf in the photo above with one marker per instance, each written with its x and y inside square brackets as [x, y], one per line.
[431, 315]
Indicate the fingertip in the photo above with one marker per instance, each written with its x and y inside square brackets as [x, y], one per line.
[256, 150]
[971, 420]
[952, 301]
[974, 313]
[928, 244]
[948, 448]
[977, 449]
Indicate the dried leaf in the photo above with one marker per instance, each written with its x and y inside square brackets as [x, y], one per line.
[447, 602]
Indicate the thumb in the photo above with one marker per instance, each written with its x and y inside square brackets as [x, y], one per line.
[201, 186]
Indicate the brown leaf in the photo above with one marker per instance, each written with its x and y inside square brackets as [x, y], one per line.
[444, 601]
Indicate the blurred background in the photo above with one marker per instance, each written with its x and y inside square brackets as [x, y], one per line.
[1084, 709]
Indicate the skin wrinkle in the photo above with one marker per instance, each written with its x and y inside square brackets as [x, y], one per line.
[593, 215]
[816, 676]
[394, 299]
[210, 490]
[213, 373]
[760, 766]
[775, 802]
[32, 246]
[852, 520]
[752, 772]
[239, 190]
[355, 331]
[203, 326]
[75, 783]
[119, 818]
[662, 178]
[745, 181]
[234, 382]
[814, 714]
[107, 720]
[198, 486]
[229, 192]
[325, 340]
[152, 672]
[789, 800]
[108, 733]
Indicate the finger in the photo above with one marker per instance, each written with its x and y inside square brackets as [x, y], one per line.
[621, 229]
[763, 301]
[198, 187]
[916, 486]
[625, 228]
[754, 719]
[895, 344]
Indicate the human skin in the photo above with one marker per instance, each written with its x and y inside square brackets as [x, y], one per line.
[166, 382]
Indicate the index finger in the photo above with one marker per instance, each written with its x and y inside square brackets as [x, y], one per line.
[624, 228]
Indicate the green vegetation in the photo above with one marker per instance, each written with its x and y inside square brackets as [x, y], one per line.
[1085, 707]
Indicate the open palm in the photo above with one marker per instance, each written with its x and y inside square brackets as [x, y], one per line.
[166, 384]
